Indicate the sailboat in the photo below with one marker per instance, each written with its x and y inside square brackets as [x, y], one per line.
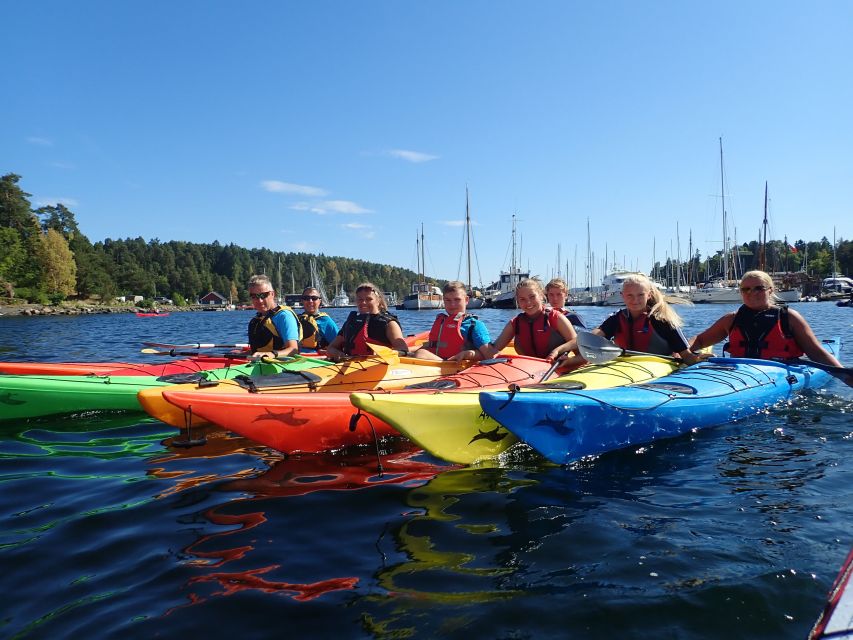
[424, 295]
[509, 280]
[475, 298]
[781, 290]
[720, 290]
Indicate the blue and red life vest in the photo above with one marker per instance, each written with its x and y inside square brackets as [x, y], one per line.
[763, 334]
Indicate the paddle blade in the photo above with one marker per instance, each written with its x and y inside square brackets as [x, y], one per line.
[387, 354]
[597, 349]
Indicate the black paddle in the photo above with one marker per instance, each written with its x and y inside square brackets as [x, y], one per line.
[598, 349]
[557, 362]
[845, 374]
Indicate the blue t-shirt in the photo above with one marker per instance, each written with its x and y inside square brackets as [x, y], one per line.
[475, 331]
[286, 325]
[328, 328]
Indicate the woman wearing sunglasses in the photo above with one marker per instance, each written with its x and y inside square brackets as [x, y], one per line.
[274, 329]
[370, 324]
[762, 329]
[318, 328]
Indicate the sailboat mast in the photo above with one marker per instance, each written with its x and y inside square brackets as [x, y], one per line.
[468, 236]
[423, 255]
[723, 201]
[762, 256]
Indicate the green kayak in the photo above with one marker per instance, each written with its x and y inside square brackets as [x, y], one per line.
[32, 396]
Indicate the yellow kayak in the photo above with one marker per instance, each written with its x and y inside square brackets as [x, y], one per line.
[386, 370]
[451, 425]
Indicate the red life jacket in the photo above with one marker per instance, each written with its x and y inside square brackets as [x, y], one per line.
[764, 334]
[537, 337]
[359, 330]
[640, 335]
[445, 336]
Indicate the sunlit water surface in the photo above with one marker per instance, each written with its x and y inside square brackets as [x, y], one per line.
[109, 530]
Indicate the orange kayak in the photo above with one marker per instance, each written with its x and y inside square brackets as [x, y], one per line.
[311, 422]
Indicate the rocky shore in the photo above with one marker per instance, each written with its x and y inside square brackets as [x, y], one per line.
[75, 309]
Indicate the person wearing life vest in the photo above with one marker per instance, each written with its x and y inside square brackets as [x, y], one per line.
[647, 323]
[455, 335]
[557, 293]
[370, 324]
[274, 329]
[762, 329]
[537, 331]
[318, 328]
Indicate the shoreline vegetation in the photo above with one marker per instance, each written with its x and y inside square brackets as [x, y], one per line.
[79, 308]
[51, 267]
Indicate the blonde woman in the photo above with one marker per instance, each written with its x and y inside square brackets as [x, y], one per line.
[370, 324]
[647, 323]
[762, 329]
[537, 331]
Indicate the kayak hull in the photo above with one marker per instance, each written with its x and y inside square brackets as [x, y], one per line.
[365, 373]
[33, 396]
[314, 422]
[188, 365]
[567, 426]
[452, 426]
[290, 423]
[836, 620]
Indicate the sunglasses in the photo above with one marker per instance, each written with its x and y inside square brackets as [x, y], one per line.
[760, 288]
[260, 296]
[314, 298]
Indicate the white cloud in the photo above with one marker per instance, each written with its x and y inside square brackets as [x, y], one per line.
[344, 206]
[276, 186]
[453, 223]
[42, 142]
[411, 156]
[52, 202]
[330, 206]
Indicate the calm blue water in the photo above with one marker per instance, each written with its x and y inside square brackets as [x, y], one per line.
[108, 530]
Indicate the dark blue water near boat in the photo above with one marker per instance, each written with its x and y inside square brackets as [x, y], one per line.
[109, 530]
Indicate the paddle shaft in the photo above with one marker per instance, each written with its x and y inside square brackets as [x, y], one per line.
[197, 345]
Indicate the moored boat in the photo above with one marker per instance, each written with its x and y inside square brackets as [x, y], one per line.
[567, 426]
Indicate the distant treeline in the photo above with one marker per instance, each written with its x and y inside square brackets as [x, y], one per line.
[44, 257]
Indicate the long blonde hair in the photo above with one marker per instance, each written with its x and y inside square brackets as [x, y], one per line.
[656, 306]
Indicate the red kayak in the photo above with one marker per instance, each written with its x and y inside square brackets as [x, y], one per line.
[836, 620]
[188, 365]
[141, 314]
[316, 422]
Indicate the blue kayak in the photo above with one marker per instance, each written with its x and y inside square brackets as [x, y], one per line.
[567, 425]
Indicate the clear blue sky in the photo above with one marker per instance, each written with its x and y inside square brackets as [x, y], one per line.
[338, 127]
